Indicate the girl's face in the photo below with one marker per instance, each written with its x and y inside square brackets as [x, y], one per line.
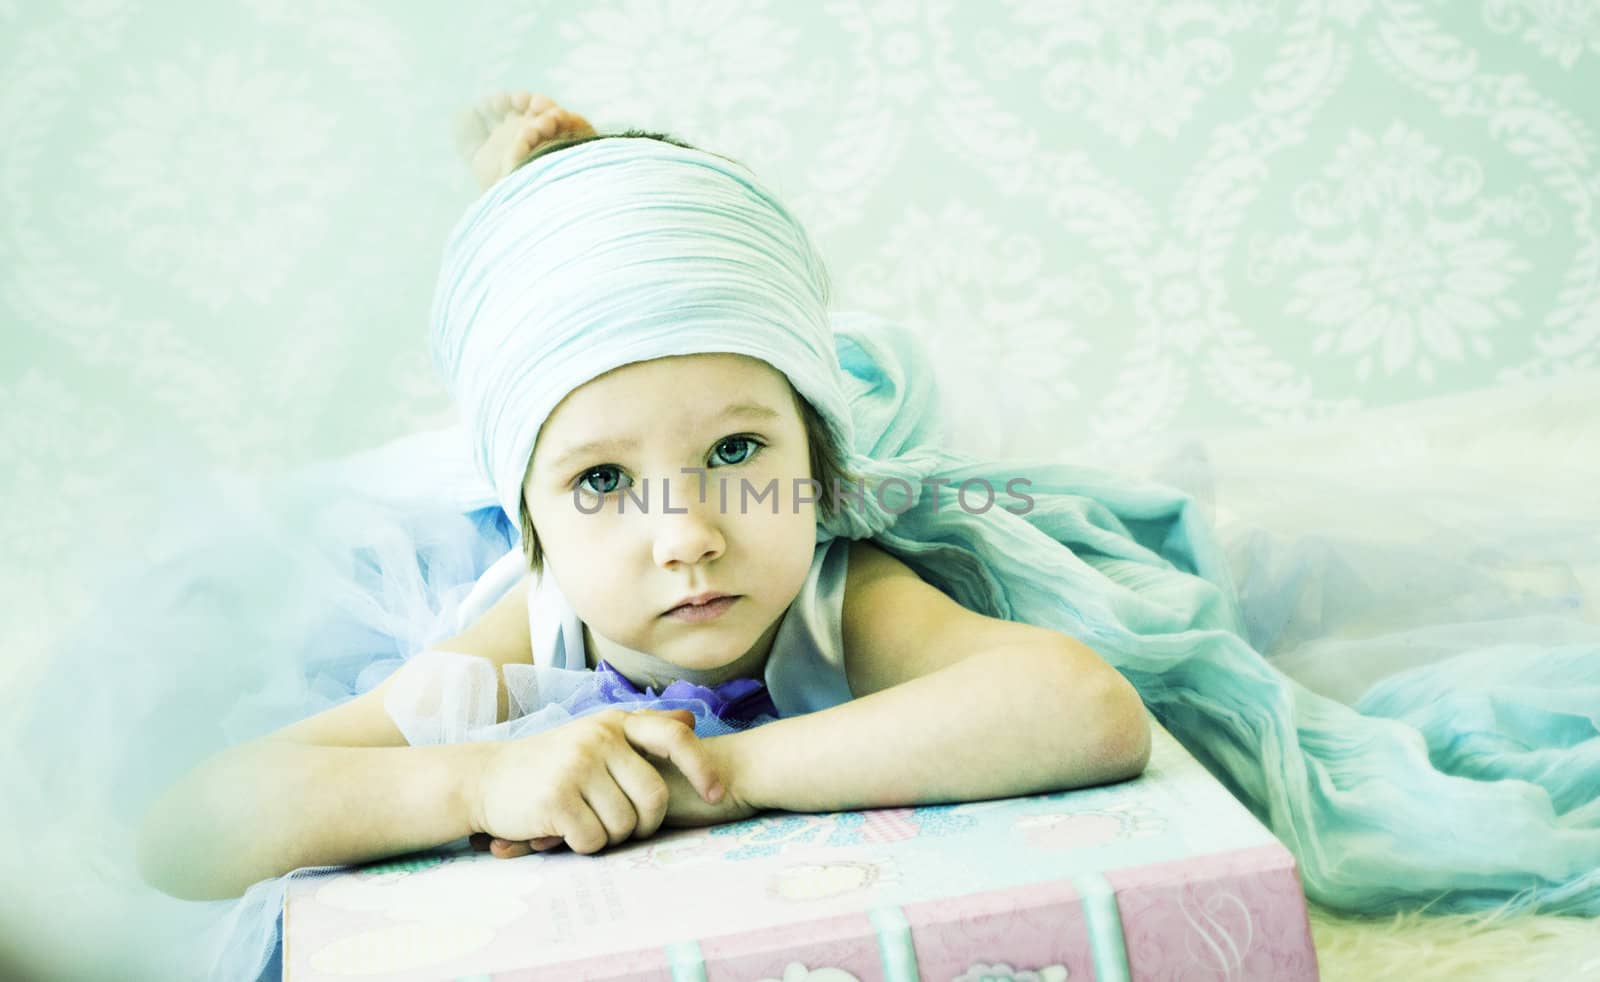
[619, 441]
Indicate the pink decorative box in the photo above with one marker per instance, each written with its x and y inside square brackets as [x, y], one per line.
[1163, 877]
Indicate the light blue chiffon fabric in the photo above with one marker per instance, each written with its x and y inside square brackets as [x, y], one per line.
[1468, 781]
[1471, 781]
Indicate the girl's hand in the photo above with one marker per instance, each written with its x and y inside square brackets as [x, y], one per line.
[587, 784]
[688, 809]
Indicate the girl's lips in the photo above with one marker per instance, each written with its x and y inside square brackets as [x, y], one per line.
[698, 614]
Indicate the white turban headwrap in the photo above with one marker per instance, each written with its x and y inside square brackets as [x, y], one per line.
[622, 250]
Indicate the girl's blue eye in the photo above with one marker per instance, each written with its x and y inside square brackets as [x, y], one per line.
[739, 441]
[749, 445]
[583, 479]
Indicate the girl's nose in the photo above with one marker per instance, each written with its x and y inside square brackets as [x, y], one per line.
[690, 533]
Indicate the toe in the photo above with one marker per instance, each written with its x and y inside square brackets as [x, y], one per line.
[487, 114]
[578, 124]
[469, 131]
[533, 134]
[517, 151]
[571, 124]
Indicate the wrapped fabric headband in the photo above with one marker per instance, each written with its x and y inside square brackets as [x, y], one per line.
[618, 251]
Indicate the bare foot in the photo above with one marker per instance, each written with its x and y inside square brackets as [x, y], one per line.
[498, 134]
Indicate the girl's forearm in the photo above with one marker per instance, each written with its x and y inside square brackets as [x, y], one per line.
[267, 807]
[1001, 723]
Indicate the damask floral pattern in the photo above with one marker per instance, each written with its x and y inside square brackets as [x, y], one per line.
[1562, 29]
[1405, 262]
[960, 266]
[207, 151]
[736, 62]
[1128, 68]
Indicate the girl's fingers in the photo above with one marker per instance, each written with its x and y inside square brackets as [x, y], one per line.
[673, 738]
[501, 849]
[642, 783]
[581, 828]
[681, 715]
[609, 804]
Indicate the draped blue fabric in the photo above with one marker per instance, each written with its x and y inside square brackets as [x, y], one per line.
[1472, 782]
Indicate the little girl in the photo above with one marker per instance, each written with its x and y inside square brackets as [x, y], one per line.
[710, 557]
[669, 509]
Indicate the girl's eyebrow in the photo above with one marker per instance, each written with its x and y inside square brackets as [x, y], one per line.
[737, 410]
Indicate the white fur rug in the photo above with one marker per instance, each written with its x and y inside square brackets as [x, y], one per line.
[1426, 948]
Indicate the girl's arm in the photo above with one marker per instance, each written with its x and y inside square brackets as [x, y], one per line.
[339, 787]
[951, 706]
[270, 806]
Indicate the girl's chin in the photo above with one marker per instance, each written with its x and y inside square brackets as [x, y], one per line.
[691, 658]
[700, 661]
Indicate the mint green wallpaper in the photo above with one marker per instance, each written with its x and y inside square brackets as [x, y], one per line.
[219, 222]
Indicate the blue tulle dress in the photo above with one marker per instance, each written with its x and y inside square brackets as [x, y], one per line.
[1437, 740]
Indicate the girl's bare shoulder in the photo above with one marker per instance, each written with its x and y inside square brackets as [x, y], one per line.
[897, 627]
[501, 633]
